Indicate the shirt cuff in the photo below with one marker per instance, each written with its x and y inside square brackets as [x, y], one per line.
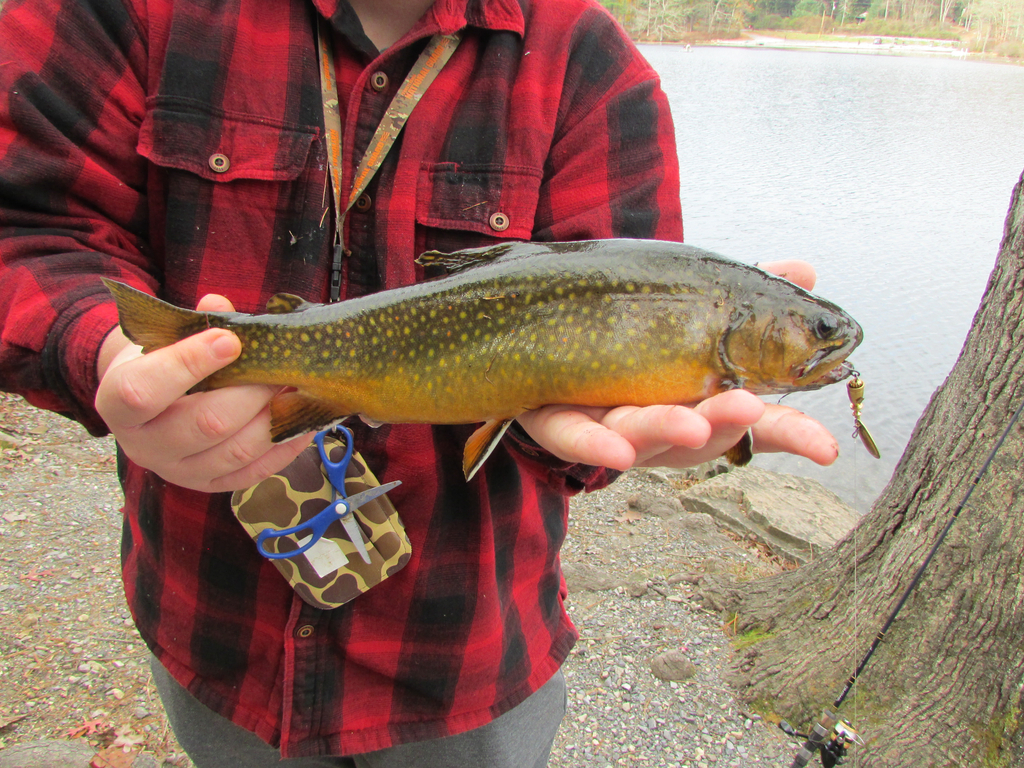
[70, 357]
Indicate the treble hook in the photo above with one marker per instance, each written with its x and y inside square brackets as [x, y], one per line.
[855, 389]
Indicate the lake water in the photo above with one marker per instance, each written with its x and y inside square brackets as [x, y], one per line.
[892, 175]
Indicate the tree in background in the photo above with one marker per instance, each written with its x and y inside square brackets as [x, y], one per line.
[944, 687]
[994, 26]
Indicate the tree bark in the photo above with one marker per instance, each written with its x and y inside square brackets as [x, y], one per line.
[944, 688]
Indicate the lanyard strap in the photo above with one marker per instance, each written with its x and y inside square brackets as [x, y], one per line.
[427, 66]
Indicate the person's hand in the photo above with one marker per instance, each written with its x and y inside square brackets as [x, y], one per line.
[679, 436]
[209, 441]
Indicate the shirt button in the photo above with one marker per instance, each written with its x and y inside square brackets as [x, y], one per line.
[378, 81]
[306, 630]
[219, 163]
[499, 222]
[363, 203]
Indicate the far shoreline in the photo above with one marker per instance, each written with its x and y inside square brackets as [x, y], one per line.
[870, 45]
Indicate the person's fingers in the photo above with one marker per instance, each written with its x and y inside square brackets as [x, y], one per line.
[728, 415]
[135, 392]
[799, 272]
[214, 302]
[783, 429]
[572, 434]
[658, 428]
[191, 425]
[244, 459]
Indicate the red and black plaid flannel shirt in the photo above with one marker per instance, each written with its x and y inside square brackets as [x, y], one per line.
[110, 112]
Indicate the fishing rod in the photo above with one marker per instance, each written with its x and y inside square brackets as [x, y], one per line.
[831, 736]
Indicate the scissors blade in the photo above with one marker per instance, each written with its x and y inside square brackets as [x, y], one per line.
[355, 535]
[355, 502]
[348, 520]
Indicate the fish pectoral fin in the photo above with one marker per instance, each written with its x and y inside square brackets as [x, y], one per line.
[294, 413]
[741, 453]
[286, 303]
[480, 445]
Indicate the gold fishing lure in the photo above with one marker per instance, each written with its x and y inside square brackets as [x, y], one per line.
[855, 389]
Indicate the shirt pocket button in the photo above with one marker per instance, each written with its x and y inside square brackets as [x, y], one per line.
[364, 203]
[499, 222]
[378, 81]
[219, 163]
[306, 630]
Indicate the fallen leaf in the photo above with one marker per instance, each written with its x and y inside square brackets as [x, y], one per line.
[35, 575]
[88, 728]
[128, 739]
[629, 516]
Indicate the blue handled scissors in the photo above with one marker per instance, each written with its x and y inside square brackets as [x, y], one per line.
[340, 508]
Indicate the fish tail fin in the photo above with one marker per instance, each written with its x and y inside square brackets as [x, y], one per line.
[152, 323]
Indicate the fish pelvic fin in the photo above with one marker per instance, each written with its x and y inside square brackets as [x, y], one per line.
[152, 323]
[295, 413]
[480, 445]
[741, 453]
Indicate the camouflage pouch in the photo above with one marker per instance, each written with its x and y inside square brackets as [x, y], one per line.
[332, 572]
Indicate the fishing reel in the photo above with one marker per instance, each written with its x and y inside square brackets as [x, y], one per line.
[830, 738]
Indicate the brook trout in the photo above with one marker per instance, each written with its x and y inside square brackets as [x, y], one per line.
[517, 326]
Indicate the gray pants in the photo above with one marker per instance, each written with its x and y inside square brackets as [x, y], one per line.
[520, 738]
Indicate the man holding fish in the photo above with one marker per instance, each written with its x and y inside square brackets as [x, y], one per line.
[179, 147]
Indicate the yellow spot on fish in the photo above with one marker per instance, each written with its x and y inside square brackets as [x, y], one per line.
[304, 337]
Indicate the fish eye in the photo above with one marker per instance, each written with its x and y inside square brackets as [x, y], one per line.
[825, 326]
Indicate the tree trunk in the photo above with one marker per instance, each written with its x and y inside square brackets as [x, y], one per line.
[944, 688]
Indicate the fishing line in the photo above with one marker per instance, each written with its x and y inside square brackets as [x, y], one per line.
[830, 725]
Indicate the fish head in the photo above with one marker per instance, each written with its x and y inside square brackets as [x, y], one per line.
[776, 344]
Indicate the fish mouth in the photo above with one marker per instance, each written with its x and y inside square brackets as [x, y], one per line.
[821, 369]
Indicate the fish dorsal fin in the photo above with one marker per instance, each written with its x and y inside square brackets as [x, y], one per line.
[294, 413]
[460, 260]
[480, 445]
[286, 303]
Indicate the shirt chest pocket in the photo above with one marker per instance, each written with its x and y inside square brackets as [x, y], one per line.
[232, 195]
[222, 147]
[462, 206]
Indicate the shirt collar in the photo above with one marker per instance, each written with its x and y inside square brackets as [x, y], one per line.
[448, 16]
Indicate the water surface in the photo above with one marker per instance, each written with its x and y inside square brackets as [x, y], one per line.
[892, 175]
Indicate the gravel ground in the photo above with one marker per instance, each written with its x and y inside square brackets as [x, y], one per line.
[73, 667]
